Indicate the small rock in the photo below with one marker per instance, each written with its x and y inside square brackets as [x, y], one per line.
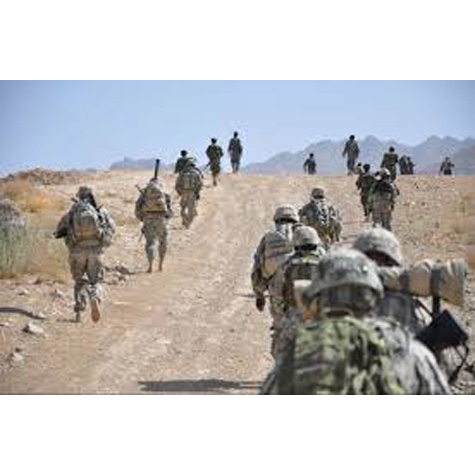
[122, 278]
[41, 316]
[33, 329]
[38, 281]
[57, 294]
[16, 356]
[23, 292]
[5, 324]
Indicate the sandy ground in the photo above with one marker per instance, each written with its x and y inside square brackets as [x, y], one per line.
[193, 328]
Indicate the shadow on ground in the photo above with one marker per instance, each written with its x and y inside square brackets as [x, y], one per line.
[198, 386]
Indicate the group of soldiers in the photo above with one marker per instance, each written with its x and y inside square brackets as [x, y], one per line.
[347, 319]
[88, 228]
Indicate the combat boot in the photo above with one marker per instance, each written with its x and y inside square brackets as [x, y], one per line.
[150, 267]
[95, 310]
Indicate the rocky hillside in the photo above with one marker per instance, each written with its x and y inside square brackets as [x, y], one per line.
[330, 162]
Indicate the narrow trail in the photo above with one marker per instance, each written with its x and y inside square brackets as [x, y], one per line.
[193, 328]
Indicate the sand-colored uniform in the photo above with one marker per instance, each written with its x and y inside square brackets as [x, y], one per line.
[188, 185]
[381, 203]
[214, 153]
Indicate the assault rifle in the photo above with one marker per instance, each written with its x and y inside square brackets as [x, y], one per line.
[445, 332]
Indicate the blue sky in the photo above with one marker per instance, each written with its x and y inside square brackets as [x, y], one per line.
[79, 124]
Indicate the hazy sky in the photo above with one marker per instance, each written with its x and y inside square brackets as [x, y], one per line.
[73, 124]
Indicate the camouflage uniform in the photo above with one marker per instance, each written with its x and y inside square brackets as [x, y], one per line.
[364, 183]
[310, 165]
[155, 223]
[188, 186]
[446, 167]
[343, 349]
[85, 255]
[381, 201]
[390, 161]
[235, 151]
[322, 217]
[267, 275]
[299, 268]
[352, 152]
[214, 153]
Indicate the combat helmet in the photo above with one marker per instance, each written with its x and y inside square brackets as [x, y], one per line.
[286, 213]
[384, 173]
[380, 241]
[344, 267]
[305, 236]
[317, 193]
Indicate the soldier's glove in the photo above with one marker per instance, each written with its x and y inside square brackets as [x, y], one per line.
[260, 303]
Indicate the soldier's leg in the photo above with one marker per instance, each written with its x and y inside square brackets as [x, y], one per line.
[183, 210]
[386, 220]
[151, 243]
[163, 238]
[215, 178]
[95, 274]
[77, 264]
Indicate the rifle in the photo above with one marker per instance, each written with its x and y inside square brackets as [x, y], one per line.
[157, 168]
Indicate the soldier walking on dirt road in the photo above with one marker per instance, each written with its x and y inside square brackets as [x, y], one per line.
[87, 229]
[352, 152]
[235, 150]
[214, 153]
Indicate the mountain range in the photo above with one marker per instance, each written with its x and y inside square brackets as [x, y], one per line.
[427, 156]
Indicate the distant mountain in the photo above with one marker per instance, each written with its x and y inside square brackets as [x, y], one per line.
[139, 164]
[330, 161]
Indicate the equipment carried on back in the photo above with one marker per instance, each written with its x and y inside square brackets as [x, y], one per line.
[86, 223]
[278, 248]
[154, 199]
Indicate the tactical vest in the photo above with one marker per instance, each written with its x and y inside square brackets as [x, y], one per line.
[278, 247]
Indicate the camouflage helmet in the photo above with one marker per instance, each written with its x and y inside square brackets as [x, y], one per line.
[286, 212]
[317, 193]
[382, 241]
[305, 236]
[184, 153]
[84, 192]
[343, 267]
[384, 173]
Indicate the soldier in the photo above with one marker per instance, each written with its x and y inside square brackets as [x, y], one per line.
[153, 208]
[299, 268]
[272, 252]
[87, 229]
[310, 165]
[214, 153]
[352, 152]
[322, 216]
[384, 249]
[188, 185]
[235, 150]
[364, 183]
[403, 165]
[382, 198]
[410, 166]
[341, 348]
[446, 167]
[390, 161]
[183, 160]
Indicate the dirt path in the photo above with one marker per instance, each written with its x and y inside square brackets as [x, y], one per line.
[194, 327]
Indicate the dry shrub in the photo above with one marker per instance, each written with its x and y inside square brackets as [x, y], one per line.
[30, 198]
[34, 251]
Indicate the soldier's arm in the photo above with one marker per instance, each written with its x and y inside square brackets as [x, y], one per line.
[63, 226]
[345, 150]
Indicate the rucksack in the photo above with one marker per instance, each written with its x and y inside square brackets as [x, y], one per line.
[341, 355]
[188, 180]
[154, 200]
[278, 248]
[86, 225]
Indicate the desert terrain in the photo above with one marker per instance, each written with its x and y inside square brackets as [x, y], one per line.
[192, 329]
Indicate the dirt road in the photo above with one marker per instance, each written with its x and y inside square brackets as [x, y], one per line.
[193, 328]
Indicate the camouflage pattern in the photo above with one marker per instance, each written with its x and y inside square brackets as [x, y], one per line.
[268, 276]
[446, 167]
[235, 150]
[390, 161]
[357, 356]
[188, 185]
[381, 202]
[352, 152]
[324, 218]
[343, 348]
[155, 226]
[85, 257]
[310, 165]
[364, 183]
[214, 153]
[380, 241]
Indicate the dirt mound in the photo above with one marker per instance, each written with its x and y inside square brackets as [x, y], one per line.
[46, 177]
